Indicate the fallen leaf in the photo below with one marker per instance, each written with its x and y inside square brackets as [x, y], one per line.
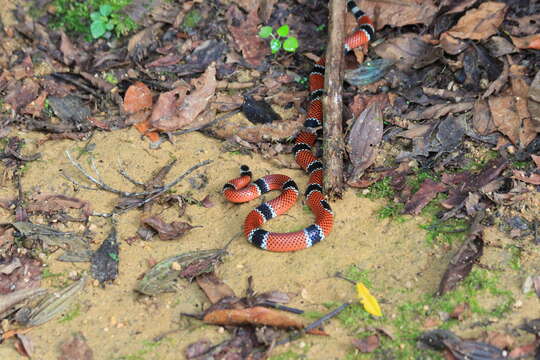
[364, 137]
[49, 203]
[370, 303]
[481, 23]
[105, 259]
[459, 311]
[197, 349]
[167, 231]
[24, 345]
[399, 13]
[35, 107]
[482, 120]
[138, 97]
[505, 116]
[163, 276]
[246, 38]
[186, 107]
[462, 262]
[438, 111]
[427, 192]
[75, 348]
[533, 178]
[254, 316]
[534, 101]
[214, 288]
[527, 42]
[408, 51]
[367, 344]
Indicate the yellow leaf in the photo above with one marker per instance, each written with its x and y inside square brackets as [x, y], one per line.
[370, 303]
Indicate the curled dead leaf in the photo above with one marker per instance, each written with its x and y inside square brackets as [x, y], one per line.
[480, 23]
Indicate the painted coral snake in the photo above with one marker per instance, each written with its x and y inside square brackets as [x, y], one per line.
[241, 189]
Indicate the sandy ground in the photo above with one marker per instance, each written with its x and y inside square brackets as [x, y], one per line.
[118, 322]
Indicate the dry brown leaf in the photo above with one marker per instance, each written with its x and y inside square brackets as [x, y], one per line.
[167, 231]
[427, 192]
[190, 105]
[257, 315]
[530, 179]
[439, 110]
[367, 344]
[408, 50]
[534, 100]
[365, 135]
[214, 288]
[247, 40]
[35, 107]
[138, 97]
[482, 121]
[505, 116]
[527, 42]
[452, 45]
[481, 23]
[399, 13]
[528, 127]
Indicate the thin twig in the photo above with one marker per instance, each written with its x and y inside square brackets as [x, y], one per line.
[95, 179]
[314, 324]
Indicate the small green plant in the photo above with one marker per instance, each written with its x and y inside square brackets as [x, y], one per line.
[382, 189]
[72, 314]
[290, 44]
[93, 18]
[392, 211]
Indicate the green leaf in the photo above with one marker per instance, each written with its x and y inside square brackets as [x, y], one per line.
[110, 26]
[105, 9]
[265, 32]
[283, 30]
[275, 45]
[95, 16]
[97, 29]
[291, 44]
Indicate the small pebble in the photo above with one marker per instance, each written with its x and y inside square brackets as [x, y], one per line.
[176, 266]
[221, 330]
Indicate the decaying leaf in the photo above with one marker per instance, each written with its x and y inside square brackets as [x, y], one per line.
[370, 303]
[75, 348]
[481, 23]
[13, 298]
[49, 203]
[214, 288]
[54, 304]
[427, 192]
[185, 108]
[462, 262]
[75, 246]
[408, 51]
[163, 276]
[461, 349]
[167, 231]
[367, 344]
[527, 42]
[245, 36]
[105, 259]
[399, 13]
[138, 97]
[255, 316]
[365, 135]
[533, 178]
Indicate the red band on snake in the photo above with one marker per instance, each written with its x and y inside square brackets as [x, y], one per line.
[241, 189]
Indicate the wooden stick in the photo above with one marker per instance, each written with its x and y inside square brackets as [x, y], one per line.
[332, 102]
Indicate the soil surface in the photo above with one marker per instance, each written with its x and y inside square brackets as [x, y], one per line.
[117, 322]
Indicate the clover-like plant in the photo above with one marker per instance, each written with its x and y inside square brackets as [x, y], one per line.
[290, 43]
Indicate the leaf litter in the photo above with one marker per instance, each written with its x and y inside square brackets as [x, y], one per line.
[465, 80]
